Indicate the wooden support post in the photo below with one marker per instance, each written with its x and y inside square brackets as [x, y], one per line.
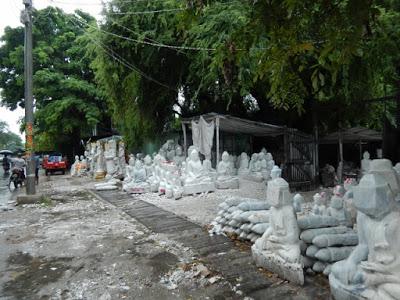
[340, 175]
[184, 139]
[217, 137]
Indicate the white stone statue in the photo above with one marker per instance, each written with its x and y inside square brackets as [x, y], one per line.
[74, 166]
[129, 169]
[319, 207]
[179, 158]
[169, 193]
[100, 172]
[121, 157]
[224, 178]
[137, 183]
[244, 164]
[278, 249]
[177, 186]
[336, 209]
[196, 179]
[110, 153]
[270, 161]
[397, 168]
[365, 163]
[148, 165]
[298, 200]
[232, 161]
[82, 166]
[372, 271]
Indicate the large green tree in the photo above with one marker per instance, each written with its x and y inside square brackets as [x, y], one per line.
[306, 63]
[68, 103]
[9, 140]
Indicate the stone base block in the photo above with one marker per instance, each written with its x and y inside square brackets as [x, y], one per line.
[252, 177]
[99, 175]
[198, 188]
[29, 199]
[271, 262]
[229, 184]
[138, 190]
[106, 188]
[344, 292]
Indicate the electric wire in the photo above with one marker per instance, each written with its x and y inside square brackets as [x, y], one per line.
[124, 62]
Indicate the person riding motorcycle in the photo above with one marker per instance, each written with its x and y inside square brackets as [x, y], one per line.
[18, 166]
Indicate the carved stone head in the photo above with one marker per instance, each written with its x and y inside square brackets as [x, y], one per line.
[131, 161]
[384, 167]
[278, 193]
[194, 155]
[147, 160]
[225, 156]
[276, 172]
[366, 155]
[373, 196]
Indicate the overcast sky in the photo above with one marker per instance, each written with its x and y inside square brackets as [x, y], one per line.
[9, 16]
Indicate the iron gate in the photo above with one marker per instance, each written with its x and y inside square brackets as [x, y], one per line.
[301, 162]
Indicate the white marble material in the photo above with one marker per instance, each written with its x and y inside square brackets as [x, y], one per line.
[278, 249]
[196, 179]
[365, 163]
[372, 271]
[336, 209]
[243, 164]
[100, 168]
[298, 200]
[179, 158]
[225, 180]
[74, 167]
[138, 182]
[319, 207]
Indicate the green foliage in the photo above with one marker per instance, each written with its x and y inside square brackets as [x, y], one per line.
[291, 55]
[9, 140]
[68, 102]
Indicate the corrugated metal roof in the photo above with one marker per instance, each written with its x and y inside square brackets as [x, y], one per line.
[232, 124]
[351, 135]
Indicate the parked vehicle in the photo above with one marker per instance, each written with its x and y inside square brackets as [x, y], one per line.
[17, 177]
[54, 163]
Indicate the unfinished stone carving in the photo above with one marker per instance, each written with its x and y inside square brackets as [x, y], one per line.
[224, 178]
[372, 271]
[365, 163]
[278, 249]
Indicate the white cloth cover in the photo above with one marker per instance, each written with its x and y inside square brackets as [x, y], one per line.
[203, 135]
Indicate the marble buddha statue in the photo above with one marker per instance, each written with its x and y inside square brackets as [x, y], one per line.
[337, 210]
[138, 183]
[278, 249]
[319, 207]
[82, 165]
[179, 158]
[129, 169]
[244, 164]
[109, 154]
[169, 193]
[177, 188]
[196, 179]
[224, 178]
[74, 166]
[100, 167]
[148, 165]
[372, 271]
[121, 158]
[365, 163]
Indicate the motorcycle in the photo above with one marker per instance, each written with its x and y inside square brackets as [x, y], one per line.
[17, 178]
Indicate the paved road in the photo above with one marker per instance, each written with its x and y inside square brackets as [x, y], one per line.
[5, 194]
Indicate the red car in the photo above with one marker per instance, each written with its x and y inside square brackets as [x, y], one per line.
[54, 163]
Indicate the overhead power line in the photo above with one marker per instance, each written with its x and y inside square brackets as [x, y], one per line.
[144, 42]
[123, 61]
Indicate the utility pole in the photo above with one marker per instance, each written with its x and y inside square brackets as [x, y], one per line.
[26, 19]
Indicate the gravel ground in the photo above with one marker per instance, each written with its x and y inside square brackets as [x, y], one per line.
[74, 246]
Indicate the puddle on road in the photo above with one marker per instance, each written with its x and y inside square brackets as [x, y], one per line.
[29, 274]
[162, 262]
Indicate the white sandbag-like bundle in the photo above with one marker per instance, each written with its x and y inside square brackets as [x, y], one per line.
[244, 217]
[326, 241]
